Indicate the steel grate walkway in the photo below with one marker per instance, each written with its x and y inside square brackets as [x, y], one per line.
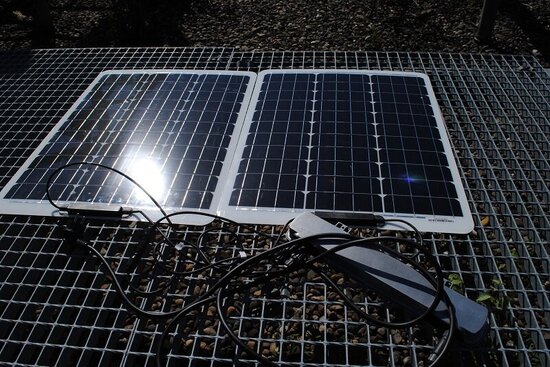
[57, 309]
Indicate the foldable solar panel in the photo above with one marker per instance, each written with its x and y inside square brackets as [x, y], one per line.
[258, 150]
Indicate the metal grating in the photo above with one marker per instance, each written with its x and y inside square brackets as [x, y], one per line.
[58, 309]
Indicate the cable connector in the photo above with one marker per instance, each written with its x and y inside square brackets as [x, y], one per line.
[74, 242]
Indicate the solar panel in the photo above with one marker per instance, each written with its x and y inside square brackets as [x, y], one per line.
[256, 151]
[171, 131]
[347, 141]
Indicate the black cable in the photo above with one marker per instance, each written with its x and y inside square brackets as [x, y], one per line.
[282, 232]
[368, 242]
[213, 216]
[293, 246]
[284, 257]
[122, 293]
[374, 242]
[230, 275]
[415, 230]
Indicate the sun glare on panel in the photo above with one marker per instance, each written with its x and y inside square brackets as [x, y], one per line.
[148, 174]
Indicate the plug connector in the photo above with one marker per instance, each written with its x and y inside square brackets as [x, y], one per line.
[73, 233]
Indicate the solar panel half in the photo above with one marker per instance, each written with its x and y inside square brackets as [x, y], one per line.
[172, 131]
[346, 142]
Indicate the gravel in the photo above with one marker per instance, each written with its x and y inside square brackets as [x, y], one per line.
[522, 26]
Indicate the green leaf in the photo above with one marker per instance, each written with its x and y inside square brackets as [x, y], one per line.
[455, 279]
[484, 297]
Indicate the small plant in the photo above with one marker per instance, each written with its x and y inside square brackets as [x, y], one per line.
[494, 298]
[456, 283]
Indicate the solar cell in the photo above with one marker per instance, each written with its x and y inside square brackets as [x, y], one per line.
[171, 131]
[346, 141]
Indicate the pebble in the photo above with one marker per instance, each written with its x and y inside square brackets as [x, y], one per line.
[335, 277]
[273, 348]
[211, 311]
[197, 290]
[210, 331]
[358, 299]
[205, 346]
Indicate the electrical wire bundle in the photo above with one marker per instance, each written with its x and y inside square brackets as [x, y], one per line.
[242, 268]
